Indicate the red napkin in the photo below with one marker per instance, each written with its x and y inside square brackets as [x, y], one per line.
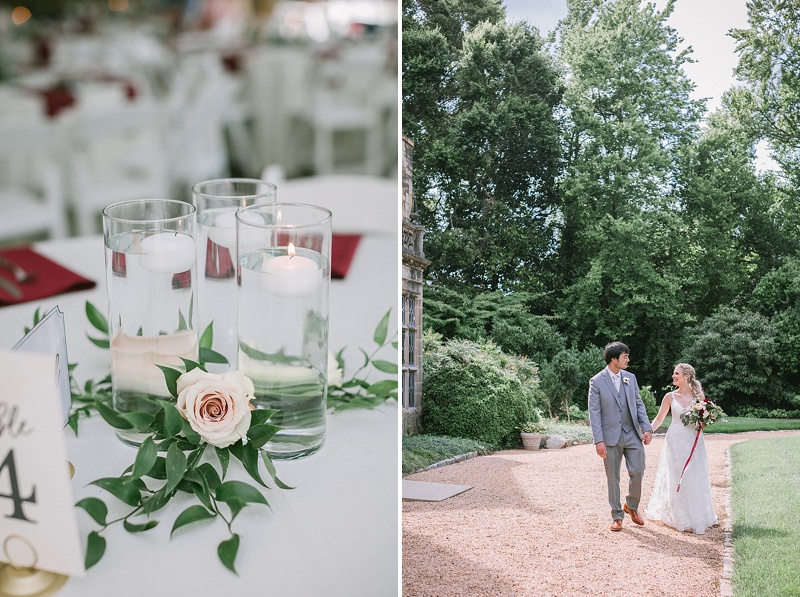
[49, 278]
[343, 248]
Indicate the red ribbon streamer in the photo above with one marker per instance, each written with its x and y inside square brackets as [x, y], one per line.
[696, 437]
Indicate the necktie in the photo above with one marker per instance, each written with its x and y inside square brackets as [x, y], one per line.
[616, 381]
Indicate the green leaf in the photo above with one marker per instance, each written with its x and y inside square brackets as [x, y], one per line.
[261, 415]
[206, 355]
[171, 377]
[191, 435]
[227, 552]
[385, 366]
[145, 458]
[99, 342]
[176, 466]
[96, 318]
[95, 548]
[133, 527]
[140, 419]
[382, 329]
[191, 514]
[210, 474]
[207, 338]
[172, 419]
[112, 417]
[272, 472]
[249, 459]
[189, 364]
[199, 487]
[96, 508]
[182, 325]
[258, 435]
[224, 458]
[382, 387]
[122, 489]
[157, 501]
[238, 491]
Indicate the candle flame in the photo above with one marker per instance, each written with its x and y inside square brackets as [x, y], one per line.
[291, 250]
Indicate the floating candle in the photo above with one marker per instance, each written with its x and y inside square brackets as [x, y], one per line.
[291, 275]
[167, 253]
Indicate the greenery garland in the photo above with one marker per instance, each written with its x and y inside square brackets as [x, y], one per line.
[173, 458]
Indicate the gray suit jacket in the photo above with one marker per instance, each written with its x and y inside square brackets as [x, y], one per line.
[605, 403]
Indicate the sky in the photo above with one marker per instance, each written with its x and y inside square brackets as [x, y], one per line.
[702, 23]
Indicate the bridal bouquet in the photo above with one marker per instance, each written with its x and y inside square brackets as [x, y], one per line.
[702, 411]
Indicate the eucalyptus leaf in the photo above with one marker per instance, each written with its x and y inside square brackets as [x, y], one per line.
[227, 551]
[96, 508]
[191, 514]
[95, 548]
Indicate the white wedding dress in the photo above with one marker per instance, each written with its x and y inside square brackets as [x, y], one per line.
[689, 509]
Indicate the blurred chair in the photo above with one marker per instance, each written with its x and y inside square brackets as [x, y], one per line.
[32, 201]
[344, 102]
[117, 155]
[201, 97]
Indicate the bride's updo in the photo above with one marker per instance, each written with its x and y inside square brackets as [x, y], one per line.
[691, 377]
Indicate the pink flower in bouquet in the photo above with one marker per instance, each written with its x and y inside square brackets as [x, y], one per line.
[217, 405]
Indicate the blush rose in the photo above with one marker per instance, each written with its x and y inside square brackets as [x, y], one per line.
[217, 405]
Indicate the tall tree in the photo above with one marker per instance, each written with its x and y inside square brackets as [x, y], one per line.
[627, 116]
[487, 154]
[769, 60]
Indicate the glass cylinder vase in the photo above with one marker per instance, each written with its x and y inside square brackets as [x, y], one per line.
[151, 269]
[283, 254]
[217, 202]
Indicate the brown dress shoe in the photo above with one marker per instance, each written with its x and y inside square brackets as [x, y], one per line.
[616, 525]
[634, 514]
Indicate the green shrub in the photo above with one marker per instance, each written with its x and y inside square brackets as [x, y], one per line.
[650, 402]
[473, 390]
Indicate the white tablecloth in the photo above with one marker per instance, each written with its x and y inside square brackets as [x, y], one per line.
[336, 533]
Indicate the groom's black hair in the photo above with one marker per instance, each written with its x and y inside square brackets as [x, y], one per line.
[614, 350]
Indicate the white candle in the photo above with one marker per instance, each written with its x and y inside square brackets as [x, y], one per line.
[223, 230]
[134, 359]
[167, 253]
[290, 275]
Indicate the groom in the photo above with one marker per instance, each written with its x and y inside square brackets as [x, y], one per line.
[619, 426]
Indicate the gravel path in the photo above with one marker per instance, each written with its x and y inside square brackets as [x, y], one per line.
[536, 523]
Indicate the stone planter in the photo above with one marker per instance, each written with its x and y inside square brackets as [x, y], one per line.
[531, 441]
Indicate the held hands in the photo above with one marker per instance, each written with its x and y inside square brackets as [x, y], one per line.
[648, 436]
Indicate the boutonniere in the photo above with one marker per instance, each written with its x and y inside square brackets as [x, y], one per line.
[625, 380]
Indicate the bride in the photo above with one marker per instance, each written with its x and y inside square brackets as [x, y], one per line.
[689, 509]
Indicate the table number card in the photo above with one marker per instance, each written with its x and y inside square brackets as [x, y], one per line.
[37, 516]
[49, 336]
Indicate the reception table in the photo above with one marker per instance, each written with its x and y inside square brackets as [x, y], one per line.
[335, 533]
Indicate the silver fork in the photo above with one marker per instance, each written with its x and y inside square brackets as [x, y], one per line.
[20, 275]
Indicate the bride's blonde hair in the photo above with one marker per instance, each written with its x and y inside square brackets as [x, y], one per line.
[691, 377]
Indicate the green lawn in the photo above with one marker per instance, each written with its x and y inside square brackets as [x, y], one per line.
[741, 424]
[766, 517]
[420, 451]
